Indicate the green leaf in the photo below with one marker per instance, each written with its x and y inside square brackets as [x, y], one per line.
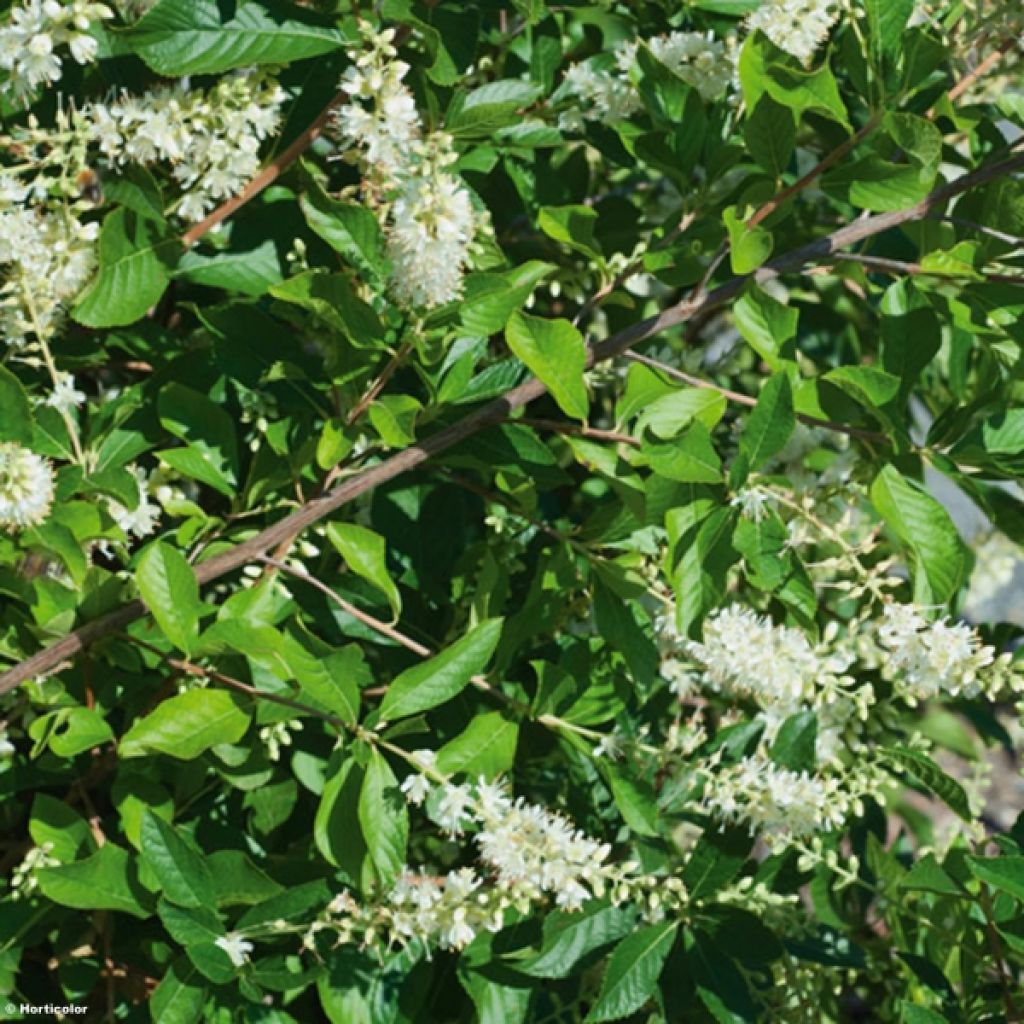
[770, 134]
[1004, 873]
[771, 424]
[635, 800]
[632, 972]
[332, 681]
[486, 747]
[79, 729]
[205, 37]
[556, 354]
[350, 229]
[497, 1002]
[764, 68]
[669, 415]
[442, 677]
[52, 821]
[334, 833]
[104, 881]
[572, 226]
[933, 778]
[691, 459]
[136, 257]
[198, 420]
[749, 248]
[796, 743]
[169, 587]
[180, 996]
[925, 528]
[365, 553]
[716, 859]
[872, 387]
[766, 324]
[186, 725]
[15, 412]
[181, 871]
[886, 21]
[384, 818]
[569, 937]
[488, 107]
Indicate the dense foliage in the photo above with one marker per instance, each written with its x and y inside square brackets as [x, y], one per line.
[485, 496]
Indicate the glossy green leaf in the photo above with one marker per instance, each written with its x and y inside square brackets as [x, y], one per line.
[186, 725]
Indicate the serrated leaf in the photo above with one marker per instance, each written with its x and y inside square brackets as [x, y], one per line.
[925, 771]
[442, 677]
[350, 229]
[486, 747]
[182, 873]
[365, 553]
[205, 37]
[795, 745]
[186, 725]
[1003, 873]
[136, 257]
[384, 818]
[104, 881]
[716, 859]
[180, 996]
[632, 972]
[925, 528]
[169, 587]
[556, 354]
[771, 424]
[569, 937]
[767, 324]
[15, 412]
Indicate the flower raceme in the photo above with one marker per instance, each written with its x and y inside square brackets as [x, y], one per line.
[26, 487]
[426, 211]
[38, 30]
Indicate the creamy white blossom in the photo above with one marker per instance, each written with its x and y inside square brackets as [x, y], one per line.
[209, 140]
[926, 659]
[797, 26]
[26, 487]
[37, 32]
[65, 397]
[428, 216]
[776, 803]
[236, 947]
[141, 520]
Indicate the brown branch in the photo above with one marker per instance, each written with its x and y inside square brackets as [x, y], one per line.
[885, 265]
[495, 412]
[979, 71]
[266, 177]
[741, 399]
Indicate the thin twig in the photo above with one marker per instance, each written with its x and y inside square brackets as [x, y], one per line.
[579, 430]
[192, 669]
[498, 410]
[741, 399]
[979, 71]
[266, 177]
[885, 265]
[299, 572]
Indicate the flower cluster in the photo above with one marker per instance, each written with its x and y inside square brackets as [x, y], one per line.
[427, 213]
[38, 29]
[608, 94]
[527, 853]
[26, 487]
[797, 26]
[47, 256]
[926, 659]
[23, 877]
[211, 140]
[776, 803]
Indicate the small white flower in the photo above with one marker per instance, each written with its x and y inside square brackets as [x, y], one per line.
[65, 397]
[416, 789]
[26, 487]
[797, 26]
[236, 947]
[7, 748]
